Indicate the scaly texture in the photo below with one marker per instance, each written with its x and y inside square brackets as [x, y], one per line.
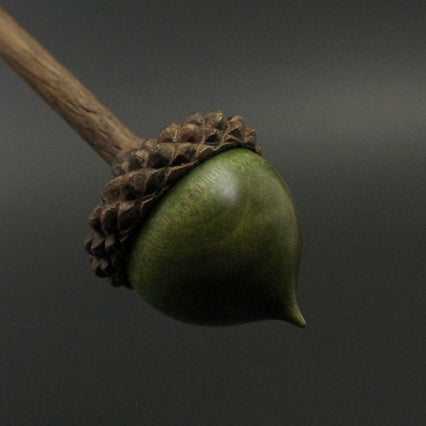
[142, 177]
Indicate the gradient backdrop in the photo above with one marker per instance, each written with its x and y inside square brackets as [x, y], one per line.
[337, 93]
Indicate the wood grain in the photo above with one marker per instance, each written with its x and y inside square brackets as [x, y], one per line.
[95, 123]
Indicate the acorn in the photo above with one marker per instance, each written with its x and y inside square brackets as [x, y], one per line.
[196, 221]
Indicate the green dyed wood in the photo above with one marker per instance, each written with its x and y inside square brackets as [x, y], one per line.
[222, 246]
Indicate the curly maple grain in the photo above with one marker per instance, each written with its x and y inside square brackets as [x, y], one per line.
[96, 124]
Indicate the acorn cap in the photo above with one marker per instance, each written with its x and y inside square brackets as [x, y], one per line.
[143, 175]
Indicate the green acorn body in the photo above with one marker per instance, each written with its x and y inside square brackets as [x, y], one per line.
[201, 226]
[223, 245]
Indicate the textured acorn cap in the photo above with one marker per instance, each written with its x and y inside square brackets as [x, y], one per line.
[143, 175]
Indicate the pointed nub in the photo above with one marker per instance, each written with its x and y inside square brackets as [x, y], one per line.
[290, 311]
[296, 318]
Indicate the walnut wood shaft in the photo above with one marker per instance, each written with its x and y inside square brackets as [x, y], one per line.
[63, 92]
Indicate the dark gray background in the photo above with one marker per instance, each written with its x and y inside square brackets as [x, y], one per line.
[337, 93]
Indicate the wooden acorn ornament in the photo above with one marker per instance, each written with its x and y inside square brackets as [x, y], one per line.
[196, 221]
